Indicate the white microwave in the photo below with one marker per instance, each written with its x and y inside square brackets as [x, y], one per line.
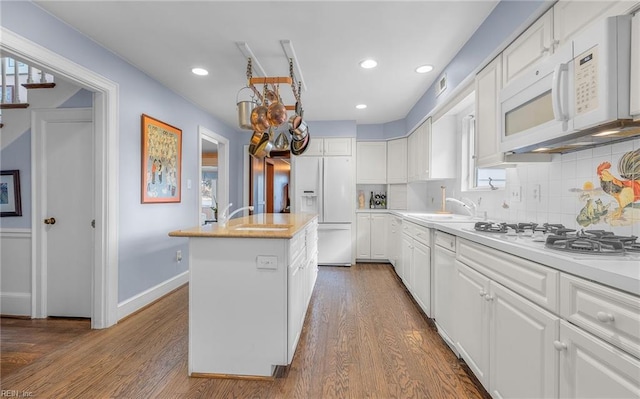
[583, 85]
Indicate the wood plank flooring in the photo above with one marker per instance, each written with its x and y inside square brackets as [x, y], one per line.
[363, 337]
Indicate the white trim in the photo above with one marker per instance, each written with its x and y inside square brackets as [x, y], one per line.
[15, 303]
[15, 233]
[106, 125]
[147, 297]
[223, 168]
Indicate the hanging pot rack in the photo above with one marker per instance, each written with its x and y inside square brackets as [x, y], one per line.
[273, 81]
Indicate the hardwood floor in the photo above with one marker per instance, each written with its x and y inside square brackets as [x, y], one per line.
[363, 337]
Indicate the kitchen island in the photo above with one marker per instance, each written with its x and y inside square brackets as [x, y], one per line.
[249, 287]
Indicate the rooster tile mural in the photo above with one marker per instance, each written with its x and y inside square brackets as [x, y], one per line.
[616, 198]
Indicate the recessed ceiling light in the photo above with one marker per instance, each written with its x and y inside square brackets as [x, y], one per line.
[200, 71]
[361, 106]
[368, 64]
[424, 68]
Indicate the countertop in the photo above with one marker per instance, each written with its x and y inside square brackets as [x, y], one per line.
[617, 272]
[264, 225]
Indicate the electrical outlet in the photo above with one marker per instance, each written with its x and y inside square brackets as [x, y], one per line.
[267, 262]
[537, 195]
[516, 194]
[179, 256]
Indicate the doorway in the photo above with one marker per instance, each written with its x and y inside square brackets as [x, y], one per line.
[268, 183]
[213, 172]
[63, 141]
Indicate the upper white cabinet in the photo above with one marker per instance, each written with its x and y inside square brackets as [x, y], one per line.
[431, 153]
[635, 66]
[329, 146]
[371, 162]
[488, 86]
[397, 161]
[572, 16]
[532, 45]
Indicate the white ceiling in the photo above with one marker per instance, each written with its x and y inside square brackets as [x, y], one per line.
[165, 39]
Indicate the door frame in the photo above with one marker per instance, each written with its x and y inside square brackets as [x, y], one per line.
[104, 304]
[39, 268]
[223, 168]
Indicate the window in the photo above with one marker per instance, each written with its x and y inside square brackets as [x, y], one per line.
[477, 178]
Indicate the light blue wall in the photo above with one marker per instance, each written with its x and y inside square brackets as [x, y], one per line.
[505, 19]
[332, 128]
[17, 156]
[146, 253]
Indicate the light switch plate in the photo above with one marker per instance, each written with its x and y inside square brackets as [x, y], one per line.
[267, 262]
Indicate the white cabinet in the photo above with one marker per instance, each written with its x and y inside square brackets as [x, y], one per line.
[371, 238]
[329, 146]
[488, 84]
[519, 330]
[443, 150]
[572, 16]
[529, 48]
[394, 247]
[418, 152]
[371, 162]
[416, 263]
[496, 329]
[635, 66]
[397, 161]
[471, 321]
[592, 368]
[444, 288]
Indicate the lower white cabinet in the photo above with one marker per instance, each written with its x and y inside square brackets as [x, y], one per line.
[371, 241]
[444, 288]
[394, 240]
[592, 368]
[416, 264]
[506, 340]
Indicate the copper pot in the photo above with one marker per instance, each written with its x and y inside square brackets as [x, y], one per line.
[259, 120]
[277, 114]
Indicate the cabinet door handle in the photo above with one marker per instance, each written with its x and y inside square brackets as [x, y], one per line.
[483, 294]
[488, 298]
[560, 346]
[605, 317]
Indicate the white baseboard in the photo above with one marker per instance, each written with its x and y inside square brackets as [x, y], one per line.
[143, 299]
[15, 304]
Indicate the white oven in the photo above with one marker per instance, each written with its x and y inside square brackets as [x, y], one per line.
[584, 84]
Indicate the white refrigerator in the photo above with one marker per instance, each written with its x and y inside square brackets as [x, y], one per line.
[325, 186]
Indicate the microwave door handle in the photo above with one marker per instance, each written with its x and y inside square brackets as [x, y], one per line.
[556, 92]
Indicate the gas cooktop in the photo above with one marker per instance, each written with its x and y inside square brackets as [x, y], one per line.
[558, 238]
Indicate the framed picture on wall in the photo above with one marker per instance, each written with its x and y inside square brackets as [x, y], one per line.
[10, 202]
[161, 161]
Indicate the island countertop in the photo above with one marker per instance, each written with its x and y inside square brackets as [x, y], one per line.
[263, 225]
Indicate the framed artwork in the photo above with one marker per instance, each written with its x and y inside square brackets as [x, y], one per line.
[10, 203]
[161, 161]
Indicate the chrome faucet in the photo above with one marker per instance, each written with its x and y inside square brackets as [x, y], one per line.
[470, 209]
[222, 221]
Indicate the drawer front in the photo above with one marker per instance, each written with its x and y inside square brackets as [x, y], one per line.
[296, 245]
[445, 240]
[417, 232]
[605, 312]
[532, 280]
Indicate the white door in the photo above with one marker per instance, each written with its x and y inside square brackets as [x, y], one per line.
[421, 276]
[379, 237]
[66, 195]
[363, 236]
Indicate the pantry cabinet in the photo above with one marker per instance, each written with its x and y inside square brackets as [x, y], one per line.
[371, 162]
[397, 161]
[371, 242]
